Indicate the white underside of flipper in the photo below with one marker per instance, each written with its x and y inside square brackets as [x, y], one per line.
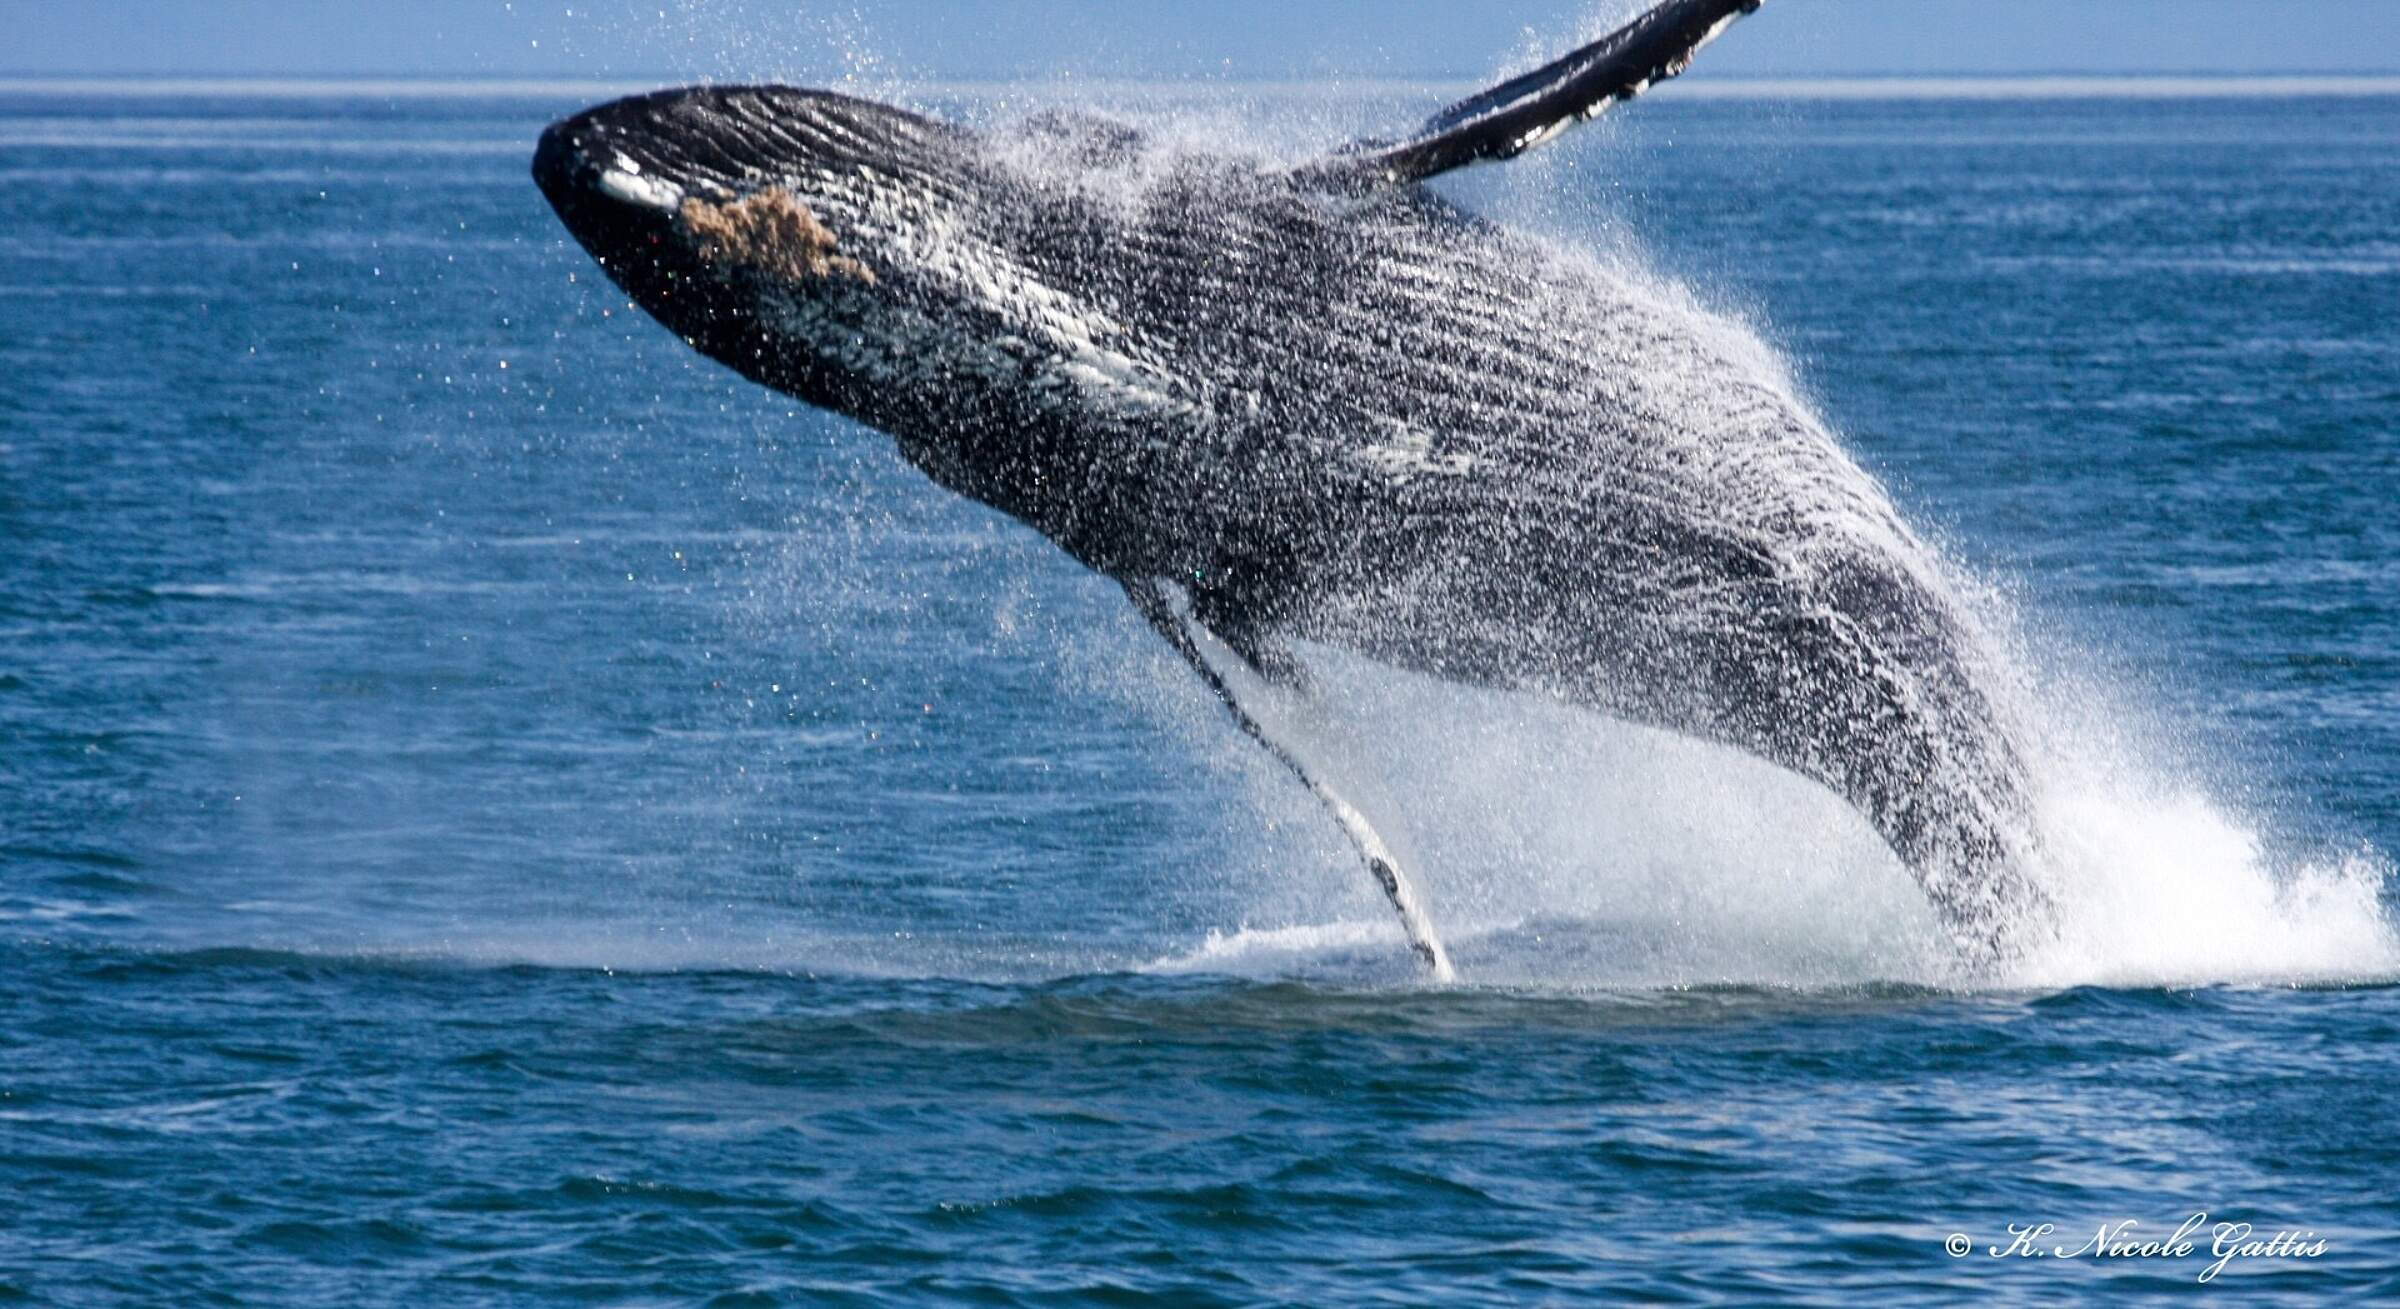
[1244, 693]
[1396, 884]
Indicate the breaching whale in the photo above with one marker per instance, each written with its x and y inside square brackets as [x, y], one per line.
[1322, 404]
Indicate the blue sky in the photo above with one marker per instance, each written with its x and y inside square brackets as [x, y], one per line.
[933, 39]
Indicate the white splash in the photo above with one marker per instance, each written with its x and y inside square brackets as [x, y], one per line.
[1562, 850]
[1271, 950]
[2160, 886]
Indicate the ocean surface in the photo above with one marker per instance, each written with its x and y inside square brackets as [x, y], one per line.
[495, 810]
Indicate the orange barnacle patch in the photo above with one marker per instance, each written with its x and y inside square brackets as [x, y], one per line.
[772, 232]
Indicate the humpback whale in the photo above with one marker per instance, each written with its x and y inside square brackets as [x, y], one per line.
[1323, 404]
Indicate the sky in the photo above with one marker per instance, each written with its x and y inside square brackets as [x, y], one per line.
[954, 40]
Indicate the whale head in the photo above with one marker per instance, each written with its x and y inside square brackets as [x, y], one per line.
[815, 242]
[966, 294]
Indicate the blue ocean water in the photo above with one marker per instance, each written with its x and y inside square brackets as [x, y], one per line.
[494, 809]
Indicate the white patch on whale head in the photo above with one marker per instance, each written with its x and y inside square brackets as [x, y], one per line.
[628, 184]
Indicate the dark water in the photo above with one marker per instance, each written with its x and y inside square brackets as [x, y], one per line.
[494, 811]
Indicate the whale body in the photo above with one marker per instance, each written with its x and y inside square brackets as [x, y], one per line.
[1324, 404]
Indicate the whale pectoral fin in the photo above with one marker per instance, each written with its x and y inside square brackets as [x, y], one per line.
[1152, 600]
[1271, 660]
[1523, 112]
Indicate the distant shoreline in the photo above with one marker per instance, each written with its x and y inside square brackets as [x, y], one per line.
[2137, 86]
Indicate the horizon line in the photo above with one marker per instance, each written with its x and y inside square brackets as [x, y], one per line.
[1712, 75]
[1723, 86]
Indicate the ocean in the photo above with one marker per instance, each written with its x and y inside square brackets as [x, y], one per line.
[496, 810]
